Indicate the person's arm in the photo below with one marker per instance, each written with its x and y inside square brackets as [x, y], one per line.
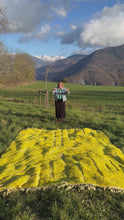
[65, 91]
[54, 91]
[68, 92]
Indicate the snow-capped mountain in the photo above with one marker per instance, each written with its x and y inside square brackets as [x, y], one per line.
[43, 60]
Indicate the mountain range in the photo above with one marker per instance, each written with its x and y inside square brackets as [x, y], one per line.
[43, 60]
[55, 68]
[102, 67]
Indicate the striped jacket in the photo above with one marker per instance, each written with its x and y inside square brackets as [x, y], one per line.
[60, 94]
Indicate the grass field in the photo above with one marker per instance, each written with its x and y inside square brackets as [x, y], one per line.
[96, 107]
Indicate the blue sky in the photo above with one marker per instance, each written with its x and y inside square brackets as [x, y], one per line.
[63, 27]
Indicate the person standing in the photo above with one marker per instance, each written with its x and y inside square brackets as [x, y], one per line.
[60, 98]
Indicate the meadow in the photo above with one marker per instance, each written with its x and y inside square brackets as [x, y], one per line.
[95, 107]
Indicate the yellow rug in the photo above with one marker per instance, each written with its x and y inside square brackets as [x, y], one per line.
[40, 157]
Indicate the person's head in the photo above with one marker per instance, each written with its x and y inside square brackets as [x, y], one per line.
[60, 85]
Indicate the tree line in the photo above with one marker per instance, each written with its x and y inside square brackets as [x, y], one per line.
[15, 69]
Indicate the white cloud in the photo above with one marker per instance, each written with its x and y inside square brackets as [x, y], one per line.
[105, 29]
[44, 30]
[60, 11]
[60, 33]
[72, 36]
[73, 27]
[25, 15]
[42, 34]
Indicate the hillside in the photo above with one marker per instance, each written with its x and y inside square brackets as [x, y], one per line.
[102, 67]
[58, 66]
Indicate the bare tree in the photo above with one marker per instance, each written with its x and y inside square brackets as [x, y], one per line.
[3, 21]
[4, 56]
[23, 68]
[5, 68]
[14, 69]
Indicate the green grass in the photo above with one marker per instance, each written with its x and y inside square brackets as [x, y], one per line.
[100, 108]
[95, 107]
[55, 203]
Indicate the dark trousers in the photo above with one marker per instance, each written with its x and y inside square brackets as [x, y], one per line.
[60, 109]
